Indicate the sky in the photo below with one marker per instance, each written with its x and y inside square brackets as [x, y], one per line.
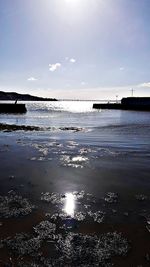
[75, 49]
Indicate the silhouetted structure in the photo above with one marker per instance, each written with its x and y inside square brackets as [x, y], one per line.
[129, 103]
[12, 108]
[136, 101]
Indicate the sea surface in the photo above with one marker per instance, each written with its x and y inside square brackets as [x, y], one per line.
[74, 135]
[114, 128]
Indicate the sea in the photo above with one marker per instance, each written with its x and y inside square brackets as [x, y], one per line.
[71, 134]
[128, 130]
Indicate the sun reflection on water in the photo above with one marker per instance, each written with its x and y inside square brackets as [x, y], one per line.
[69, 204]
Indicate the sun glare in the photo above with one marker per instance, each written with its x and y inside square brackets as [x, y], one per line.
[70, 204]
[72, 1]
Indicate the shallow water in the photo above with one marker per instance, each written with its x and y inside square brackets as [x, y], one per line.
[86, 172]
[110, 128]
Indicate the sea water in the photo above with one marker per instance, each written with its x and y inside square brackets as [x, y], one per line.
[115, 128]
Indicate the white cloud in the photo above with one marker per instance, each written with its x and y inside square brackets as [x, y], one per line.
[53, 67]
[83, 83]
[121, 68]
[146, 84]
[32, 79]
[72, 60]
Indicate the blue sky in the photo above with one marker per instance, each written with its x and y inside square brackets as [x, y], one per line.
[82, 49]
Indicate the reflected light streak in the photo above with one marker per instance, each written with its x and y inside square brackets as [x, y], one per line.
[70, 204]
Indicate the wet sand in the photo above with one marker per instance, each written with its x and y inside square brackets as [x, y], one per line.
[109, 194]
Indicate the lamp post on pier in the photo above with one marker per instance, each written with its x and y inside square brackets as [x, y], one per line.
[132, 91]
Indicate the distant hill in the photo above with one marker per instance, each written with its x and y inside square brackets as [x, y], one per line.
[15, 96]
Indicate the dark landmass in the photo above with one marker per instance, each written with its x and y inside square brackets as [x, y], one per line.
[22, 97]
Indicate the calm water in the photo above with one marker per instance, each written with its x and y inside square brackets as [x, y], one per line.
[99, 149]
[115, 128]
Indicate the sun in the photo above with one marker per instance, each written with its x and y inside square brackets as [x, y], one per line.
[72, 1]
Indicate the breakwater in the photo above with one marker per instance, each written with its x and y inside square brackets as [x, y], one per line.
[12, 108]
[129, 103]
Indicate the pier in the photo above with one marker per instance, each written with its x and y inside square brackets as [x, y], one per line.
[12, 108]
[129, 103]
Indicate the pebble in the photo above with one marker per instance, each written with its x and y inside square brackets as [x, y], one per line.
[111, 197]
[141, 197]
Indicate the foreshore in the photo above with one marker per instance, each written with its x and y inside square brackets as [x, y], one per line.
[108, 195]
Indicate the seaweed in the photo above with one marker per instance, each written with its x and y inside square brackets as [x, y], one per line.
[14, 205]
[111, 197]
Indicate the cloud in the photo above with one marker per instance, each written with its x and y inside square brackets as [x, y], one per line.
[53, 67]
[83, 83]
[121, 68]
[146, 84]
[72, 60]
[32, 79]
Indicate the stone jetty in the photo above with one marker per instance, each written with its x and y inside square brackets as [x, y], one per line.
[12, 108]
[129, 103]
